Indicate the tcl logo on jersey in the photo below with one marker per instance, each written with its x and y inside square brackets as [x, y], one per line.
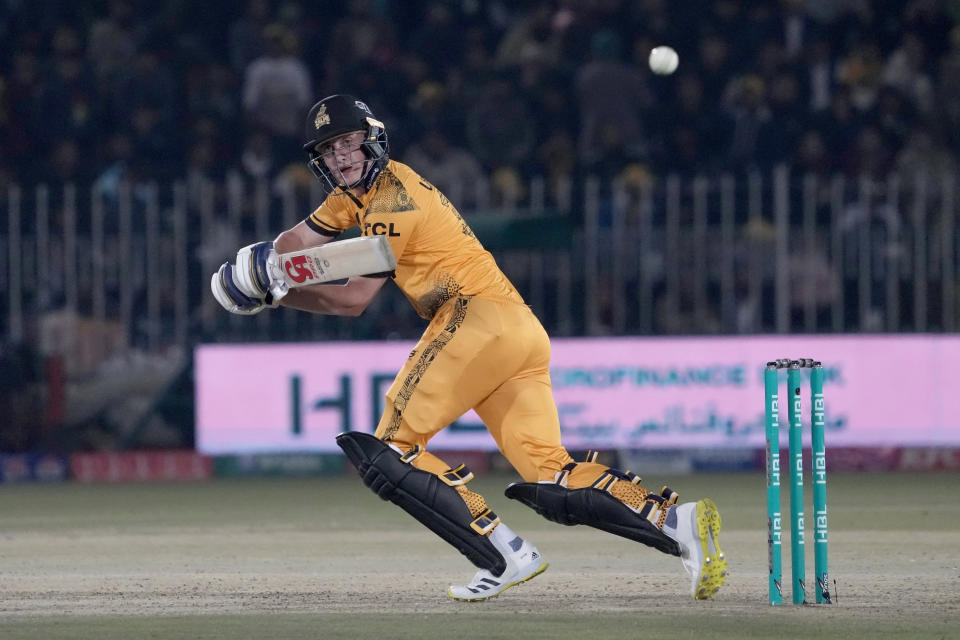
[298, 268]
[380, 229]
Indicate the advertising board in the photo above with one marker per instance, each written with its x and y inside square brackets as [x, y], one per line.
[611, 393]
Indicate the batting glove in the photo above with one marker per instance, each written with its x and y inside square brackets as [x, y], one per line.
[258, 273]
[231, 298]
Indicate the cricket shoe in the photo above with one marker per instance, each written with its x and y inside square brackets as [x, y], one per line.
[523, 563]
[698, 525]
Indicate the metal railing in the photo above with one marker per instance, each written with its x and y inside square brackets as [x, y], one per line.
[774, 253]
[771, 252]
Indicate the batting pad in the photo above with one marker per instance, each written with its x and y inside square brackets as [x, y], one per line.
[434, 503]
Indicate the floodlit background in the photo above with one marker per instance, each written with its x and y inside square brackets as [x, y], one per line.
[797, 175]
[790, 191]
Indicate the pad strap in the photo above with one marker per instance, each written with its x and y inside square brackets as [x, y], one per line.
[411, 455]
[457, 477]
[485, 522]
[669, 496]
[563, 475]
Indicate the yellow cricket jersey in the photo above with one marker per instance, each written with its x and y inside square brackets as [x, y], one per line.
[438, 257]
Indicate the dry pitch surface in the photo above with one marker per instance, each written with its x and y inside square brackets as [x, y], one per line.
[321, 558]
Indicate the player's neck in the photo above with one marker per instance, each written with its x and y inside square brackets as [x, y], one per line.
[355, 194]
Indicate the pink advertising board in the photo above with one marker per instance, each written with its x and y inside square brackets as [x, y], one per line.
[625, 393]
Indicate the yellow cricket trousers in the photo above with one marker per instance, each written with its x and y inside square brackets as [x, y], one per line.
[489, 355]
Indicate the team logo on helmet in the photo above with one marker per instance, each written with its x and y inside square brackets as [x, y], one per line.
[322, 117]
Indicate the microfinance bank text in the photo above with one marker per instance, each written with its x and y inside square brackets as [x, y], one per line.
[606, 377]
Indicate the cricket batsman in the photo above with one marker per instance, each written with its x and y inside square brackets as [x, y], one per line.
[483, 349]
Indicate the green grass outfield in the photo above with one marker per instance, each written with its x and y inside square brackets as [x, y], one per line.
[325, 558]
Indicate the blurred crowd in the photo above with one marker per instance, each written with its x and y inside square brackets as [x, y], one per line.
[481, 97]
[475, 91]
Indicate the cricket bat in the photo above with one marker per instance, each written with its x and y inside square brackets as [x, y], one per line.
[335, 262]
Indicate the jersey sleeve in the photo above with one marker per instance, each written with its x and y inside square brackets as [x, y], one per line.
[331, 218]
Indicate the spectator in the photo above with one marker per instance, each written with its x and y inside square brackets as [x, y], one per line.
[794, 26]
[130, 166]
[451, 169]
[147, 81]
[820, 77]
[6, 177]
[465, 84]
[812, 156]
[118, 168]
[726, 17]
[779, 134]
[612, 96]
[367, 35]
[770, 59]
[66, 165]
[18, 130]
[557, 162]
[111, 44]
[533, 38]
[948, 91]
[840, 125]
[861, 71]
[906, 71]
[153, 145]
[430, 108]
[201, 170]
[506, 190]
[813, 159]
[715, 66]
[210, 89]
[438, 40]
[746, 106]
[276, 88]
[500, 127]
[553, 104]
[246, 34]
[256, 158]
[68, 103]
[894, 116]
[696, 138]
[757, 32]
[924, 154]
[870, 156]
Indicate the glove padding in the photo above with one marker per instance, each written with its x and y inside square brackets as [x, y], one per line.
[258, 274]
[231, 298]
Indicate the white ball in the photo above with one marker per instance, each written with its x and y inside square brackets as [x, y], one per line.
[663, 60]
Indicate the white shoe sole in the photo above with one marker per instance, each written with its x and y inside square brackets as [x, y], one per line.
[489, 594]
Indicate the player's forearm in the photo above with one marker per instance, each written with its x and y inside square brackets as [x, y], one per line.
[299, 237]
[347, 300]
[306, 300]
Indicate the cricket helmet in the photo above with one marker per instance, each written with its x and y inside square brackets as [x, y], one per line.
[334, 116]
